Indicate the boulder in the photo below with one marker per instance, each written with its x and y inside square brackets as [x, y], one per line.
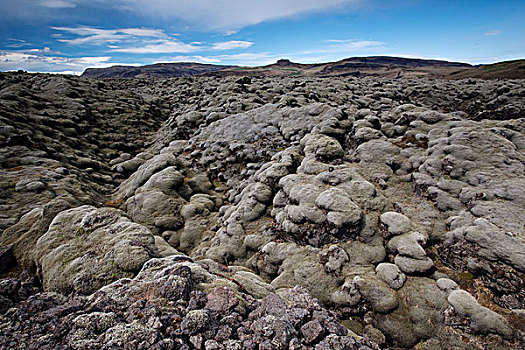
[86, 248]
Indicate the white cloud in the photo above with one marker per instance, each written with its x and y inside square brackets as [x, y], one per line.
[127, 40]
[336, 50]
[17, 43]
[230, 45]
[226, 16]
[37, 62]
[44, 50]
[57, 4]
[196, 59]
[493, 32]
[353, 45]
[159, 33]
[339, 49]
[88, 35]
[249, 58]
[229, 15]
[97, 36]
[163, 46]
[97, 39]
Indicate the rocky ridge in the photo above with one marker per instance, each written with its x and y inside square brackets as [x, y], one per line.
[227, 213]
[158, 70]
[514, 69]
[379, 66]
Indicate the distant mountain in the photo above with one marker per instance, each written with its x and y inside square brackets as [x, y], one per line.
[382, 66]
[159, 70]
[387, 64]
[503, 70]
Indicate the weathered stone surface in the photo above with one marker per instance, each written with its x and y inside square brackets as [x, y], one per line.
[483, 320]
[396, 223]
[86, 248]
[417, 316]
[447, 285]
[391, 274]
[156, 210]
[411, 265]
[378, 294]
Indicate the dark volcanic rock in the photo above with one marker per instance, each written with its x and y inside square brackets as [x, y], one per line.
[132, 315]
[7, 259]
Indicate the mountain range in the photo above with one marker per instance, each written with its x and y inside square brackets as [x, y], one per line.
[378, 66]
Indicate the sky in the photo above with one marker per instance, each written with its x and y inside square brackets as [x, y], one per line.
[68, 36]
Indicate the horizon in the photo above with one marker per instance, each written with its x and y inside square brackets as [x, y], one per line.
[69, 36]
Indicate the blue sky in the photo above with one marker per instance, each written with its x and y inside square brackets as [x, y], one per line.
[71, 35]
